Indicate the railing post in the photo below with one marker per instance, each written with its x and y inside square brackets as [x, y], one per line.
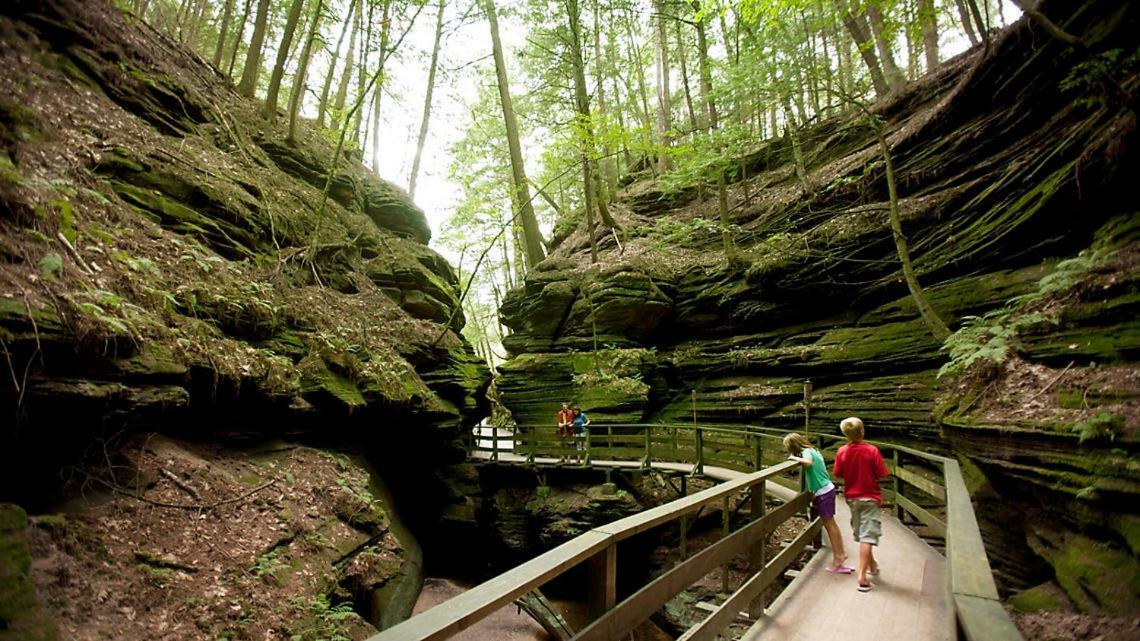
[757, 553]
[757, 452]
[602, 577]
[533, 434]
[807, 402]
[494, 443]
[725, 524]
[684, 521]
[895, 485]
[699, 465]
[646, 462]
[589, 445]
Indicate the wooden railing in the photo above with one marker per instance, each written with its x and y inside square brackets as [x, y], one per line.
[598, 549]
[926, 487]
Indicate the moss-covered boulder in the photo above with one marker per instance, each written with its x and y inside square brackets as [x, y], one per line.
[21, 616]
[1094, 575]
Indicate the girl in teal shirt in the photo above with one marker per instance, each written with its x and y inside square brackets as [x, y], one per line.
[819, 483]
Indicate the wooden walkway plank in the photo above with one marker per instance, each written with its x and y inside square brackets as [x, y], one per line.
[908, 602]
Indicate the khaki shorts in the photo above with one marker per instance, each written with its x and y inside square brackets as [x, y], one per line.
[866, 523]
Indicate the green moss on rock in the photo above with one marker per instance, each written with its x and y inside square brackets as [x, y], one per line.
[21, 618]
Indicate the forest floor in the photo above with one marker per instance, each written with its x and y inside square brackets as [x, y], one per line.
[201, 541]
[1070, 626]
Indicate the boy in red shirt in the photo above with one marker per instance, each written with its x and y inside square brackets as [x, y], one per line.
[861, 467]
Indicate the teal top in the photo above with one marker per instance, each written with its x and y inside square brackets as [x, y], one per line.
[816, 475]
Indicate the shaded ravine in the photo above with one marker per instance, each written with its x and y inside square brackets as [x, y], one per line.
[395, 601]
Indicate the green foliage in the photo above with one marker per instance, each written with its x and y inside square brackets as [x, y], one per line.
[51, 264]
[1100, 428]
[669, 232]
[328, 622]
[989, 339]
[268, 564]
[631, 385]
[992, 338]
[1100, 77]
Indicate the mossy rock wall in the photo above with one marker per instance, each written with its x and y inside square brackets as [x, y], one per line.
[1004, 178]
[171, 259]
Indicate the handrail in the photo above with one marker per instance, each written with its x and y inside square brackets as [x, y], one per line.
[467, 608]
[972, 590]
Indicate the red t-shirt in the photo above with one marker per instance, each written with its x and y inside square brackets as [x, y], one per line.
[565, 417]
[861, 465]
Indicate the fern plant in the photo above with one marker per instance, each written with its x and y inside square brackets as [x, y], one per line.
[989, 339]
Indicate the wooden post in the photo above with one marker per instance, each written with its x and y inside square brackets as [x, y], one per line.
[645, 462]
[757, 553]
[725, 524]
[699, 466]
[807, 403]
[586, 461]
[684, 521]
[757, 452]
[494, 443]
[533, 435]
[602, 577]
[895, 485]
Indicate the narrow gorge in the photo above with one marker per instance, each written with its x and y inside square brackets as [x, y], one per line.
[240, 381]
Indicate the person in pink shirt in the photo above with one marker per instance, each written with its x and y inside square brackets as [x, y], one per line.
[861, 467]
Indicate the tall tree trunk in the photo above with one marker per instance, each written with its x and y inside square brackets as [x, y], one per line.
[664, 108]
[182, 18]
[798, 162]
[586, 133]
[385, 35]
[856, 25]
[422, 138]
[240, 36]
[825, 37]
[524, 208]
[283, 50]
[297, 96]
[608, 168]
[635, 50]
[223, 29]
[201, 11]
[681, 57]
[933, 321]
[362, 75]
[591, 182]
[895, 78]
[713, 124]
[323, 103]
[979, 22]
[346, 74]
[928, 18]
[967, 22]
[249, 74]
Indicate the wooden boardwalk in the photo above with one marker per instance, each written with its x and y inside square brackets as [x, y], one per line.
[909, 600]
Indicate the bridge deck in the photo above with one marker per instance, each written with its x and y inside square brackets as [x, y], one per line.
[909, 600]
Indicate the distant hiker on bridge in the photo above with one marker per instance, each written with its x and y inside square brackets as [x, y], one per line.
[861, 466]
[581, 424]
[565, 420]
[819, 484]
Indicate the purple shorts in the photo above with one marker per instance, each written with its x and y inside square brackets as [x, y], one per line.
[823, 505]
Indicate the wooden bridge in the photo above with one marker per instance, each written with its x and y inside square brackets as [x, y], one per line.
[935, 580]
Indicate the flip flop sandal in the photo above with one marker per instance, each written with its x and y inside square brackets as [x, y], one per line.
[840, 569]
[865, 588]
